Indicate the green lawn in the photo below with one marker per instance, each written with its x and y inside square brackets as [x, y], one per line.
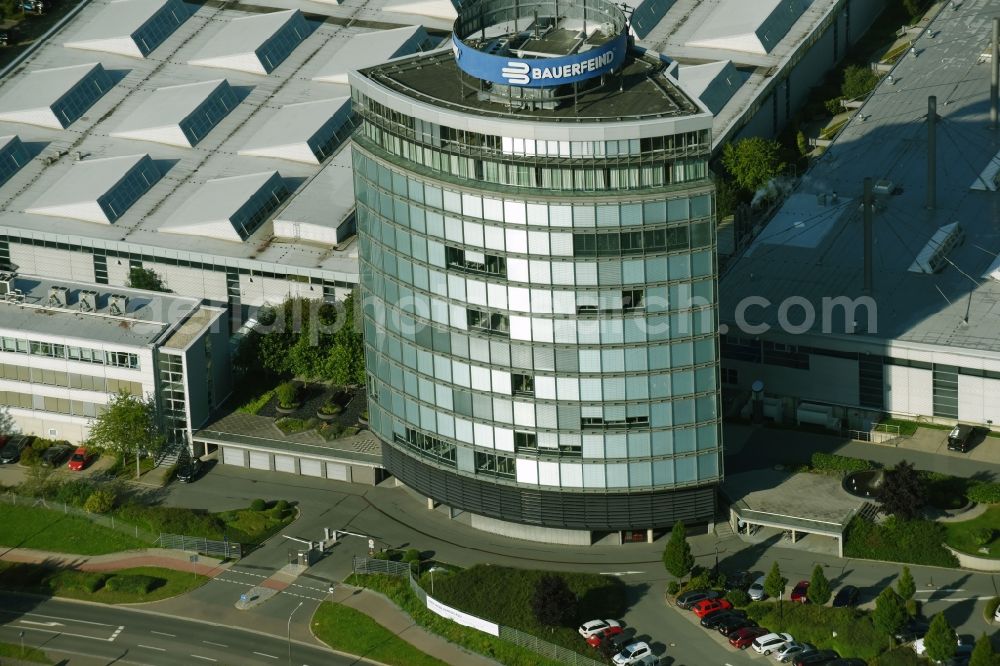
[49, 529]
[504, 595]
[847, 630]
[960, 534]
[125, 586]
[240, 525]
[13, 651]
[351, 631]
[398, 590]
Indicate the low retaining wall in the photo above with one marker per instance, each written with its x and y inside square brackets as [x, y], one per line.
[967, 561]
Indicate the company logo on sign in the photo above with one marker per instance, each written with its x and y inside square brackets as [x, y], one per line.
[516, 73]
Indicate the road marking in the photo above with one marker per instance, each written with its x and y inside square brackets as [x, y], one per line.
[119, 630]
[66, 633]
[43, 624]
[56, 617]
[150, 647]
[950, 599]
[163, 633]
[264, 654]
[621, 573]
[198, 656]
[941, 589]
[216, 644]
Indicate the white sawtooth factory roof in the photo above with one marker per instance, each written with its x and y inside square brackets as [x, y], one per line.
[167, 114]
[131, 27]
[297, 131]
[219, 208]
[368, 49]
[255, 44]
[53, 96]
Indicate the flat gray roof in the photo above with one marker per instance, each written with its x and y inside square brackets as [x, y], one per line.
[147, 315]
[814, 251]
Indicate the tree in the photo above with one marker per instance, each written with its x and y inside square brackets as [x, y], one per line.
[889, 614]
[802, 142]
[858, 82]
[982, 654]
[677, 557]
[127, 427]
[143, 278]
[7, 425]
[905, 586]
[753, 162]
[819, 587]
[554, 603]
[902, 493]
[774, 584]
[940, 641]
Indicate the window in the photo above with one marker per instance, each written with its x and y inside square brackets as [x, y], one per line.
[601, 423]
[488, 322]
[122, 360]
[525, 440]
[427, 446]
[494, 465]
[475, 262]
[522, 384]
[633, 299]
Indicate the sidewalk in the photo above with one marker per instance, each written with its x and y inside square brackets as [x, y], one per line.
[149, 557]
[393, 618]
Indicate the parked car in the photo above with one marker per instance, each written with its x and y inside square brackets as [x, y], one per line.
[715, 619]
[189, 470]
[846, 596]
[742, 638]
[739, 580]
[80, 459]
[56, 454]
[816, 658]
[11, 451]
[912, 630]
[588, 629]
[632, 654]
[612, 645]
[960, 437]
[689, 599]
[800, 592]
[965, 646]
[709, 606]
[769, 643]
[756, 590]
[847, 662]
[595, 640]
[732, 624]
[792, 650]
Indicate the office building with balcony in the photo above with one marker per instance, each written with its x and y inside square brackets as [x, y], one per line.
[535, 219]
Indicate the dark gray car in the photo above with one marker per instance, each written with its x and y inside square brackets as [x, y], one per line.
[690, 598]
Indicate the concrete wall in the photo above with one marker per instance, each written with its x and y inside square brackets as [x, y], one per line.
[73, 429]
[328, 469]
[909, 390]
[975, 563]
[978, 399]
[530, 532]
[52, 262]
[210, 285]
[828, 380]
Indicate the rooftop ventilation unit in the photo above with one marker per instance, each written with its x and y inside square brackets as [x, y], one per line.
[6, 284]
[88, 300]
[118, 303]
[883, 187]
[58, 297]
[934, 254]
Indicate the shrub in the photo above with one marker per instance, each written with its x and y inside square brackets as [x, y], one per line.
[330, 409]
[133, 583]
[984, 493]
[92, 582]
[282, 505]
[833, 106]
[258, 505]
[288, 395]
[701, 579]
[673, 587]
[911, 541]
[991, 608]
[982, 536]
[73, 492]
[738, 598]
[831, 462]
[101, 500]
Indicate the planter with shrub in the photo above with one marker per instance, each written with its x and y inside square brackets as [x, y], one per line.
[288, 397]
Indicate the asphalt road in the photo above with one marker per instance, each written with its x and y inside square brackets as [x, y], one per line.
[95, 634]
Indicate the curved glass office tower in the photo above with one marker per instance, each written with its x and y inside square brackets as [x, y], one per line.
[538, 273]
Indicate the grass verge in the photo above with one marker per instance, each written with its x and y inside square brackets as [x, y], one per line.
[53, 530]
[398, 590]
[352, 631]
[961, 535]
[245, 526]
[847, 630]
[125, 586]
[504, 595]
[12, 651]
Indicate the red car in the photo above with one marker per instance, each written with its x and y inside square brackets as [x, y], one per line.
[799, 592]
[80, 459]
[594, 640]
[709, 606]
[742, 638]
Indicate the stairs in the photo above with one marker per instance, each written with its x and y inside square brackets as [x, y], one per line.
[869, 511]
[723, 530]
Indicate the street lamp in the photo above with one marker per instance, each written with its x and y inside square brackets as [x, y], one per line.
[290, 631]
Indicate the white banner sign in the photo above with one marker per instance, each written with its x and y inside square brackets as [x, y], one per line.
[462, 618]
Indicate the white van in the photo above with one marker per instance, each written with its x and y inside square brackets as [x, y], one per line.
[768, 643]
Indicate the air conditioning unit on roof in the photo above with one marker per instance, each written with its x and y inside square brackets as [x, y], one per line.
[118, 304]
[88, 300]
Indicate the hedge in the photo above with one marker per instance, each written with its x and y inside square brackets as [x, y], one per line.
[831, 462]
[911, 541]
[133, 583]
[984, 493]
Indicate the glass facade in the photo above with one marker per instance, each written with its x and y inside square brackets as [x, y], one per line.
[82, 96]
[546, 324]
[208, 114]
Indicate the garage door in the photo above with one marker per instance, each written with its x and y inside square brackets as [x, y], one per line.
[336, 471]
[260, 460]
[231, 456]
[310, 467]
[284, 464]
